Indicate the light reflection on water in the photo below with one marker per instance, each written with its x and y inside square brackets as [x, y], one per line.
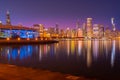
[113, 54]
[89, 55]
[74, 57]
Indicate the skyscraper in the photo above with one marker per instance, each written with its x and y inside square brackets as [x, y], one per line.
[84, 28]
[0, 22]
[113, 24]
[8, 22]
[96, 28]
[56, 28]
[89, 27]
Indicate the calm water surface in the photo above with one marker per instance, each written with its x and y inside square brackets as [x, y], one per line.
[99, 59]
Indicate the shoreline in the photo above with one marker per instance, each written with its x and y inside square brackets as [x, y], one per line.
[10, 72]
[23, 41]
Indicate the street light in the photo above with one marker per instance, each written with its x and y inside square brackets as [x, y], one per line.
[36, 38]
[18, 39]
[28, 38]
[8, 38]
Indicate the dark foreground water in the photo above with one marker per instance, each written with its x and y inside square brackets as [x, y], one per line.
[98, 59]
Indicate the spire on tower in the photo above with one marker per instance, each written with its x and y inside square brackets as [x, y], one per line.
[113, 24]
[8, 22]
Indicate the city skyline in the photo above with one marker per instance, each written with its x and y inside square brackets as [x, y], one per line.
[65, 13]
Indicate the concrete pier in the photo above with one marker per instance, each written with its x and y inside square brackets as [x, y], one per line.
[27, 41]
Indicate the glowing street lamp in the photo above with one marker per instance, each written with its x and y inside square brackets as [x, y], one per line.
[18, 39]
[36, 38]
[28, 38]
[8, 38]
[45, 38]
[41, 39]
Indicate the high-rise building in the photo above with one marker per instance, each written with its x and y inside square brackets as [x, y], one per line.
[68, 33]
[89, 27]
[56, 28]
[84, 28]
[0, 22]
[89, 22]
[113, 24]
[36, 26]
[96, 28]
[73, 33]
[40, 29]
[79, 32]
[51, 30]
[77, 24]
[62, 33]
[8, 22]
[101, 31]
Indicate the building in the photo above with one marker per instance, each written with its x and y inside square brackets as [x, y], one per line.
[62, 33]
[96, 31]
[113, 24]
[79, 33]
[101, 31]
[89, 28]
[8, 21]
[42, 30]
[73, 33]
[16, 31]
[68, 33]
[37, 28]
[57, 29]
[51, 30]
[0, 22]
[84, 29]
[11, 31]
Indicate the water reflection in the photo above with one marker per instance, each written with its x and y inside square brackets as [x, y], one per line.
[89, 55]
[68, 47]
[95, 49]
[15, 52]
[72, 47]
[79, 48]
[65, 55]
[113, 54]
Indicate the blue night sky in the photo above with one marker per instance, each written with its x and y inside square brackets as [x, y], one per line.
[63, 12]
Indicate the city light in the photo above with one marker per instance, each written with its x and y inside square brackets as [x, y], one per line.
[88, 30]
[41, 38]
[36, 38]
[18, 39]
[59, 39]
[28, 38]
[8, 38]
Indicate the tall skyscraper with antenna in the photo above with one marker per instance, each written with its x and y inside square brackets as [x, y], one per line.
[8, 22]
[113, 24]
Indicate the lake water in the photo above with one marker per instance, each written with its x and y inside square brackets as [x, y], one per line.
[97, 59]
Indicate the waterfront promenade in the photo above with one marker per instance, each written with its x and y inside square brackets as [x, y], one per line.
[11, 72]
[26, 41]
